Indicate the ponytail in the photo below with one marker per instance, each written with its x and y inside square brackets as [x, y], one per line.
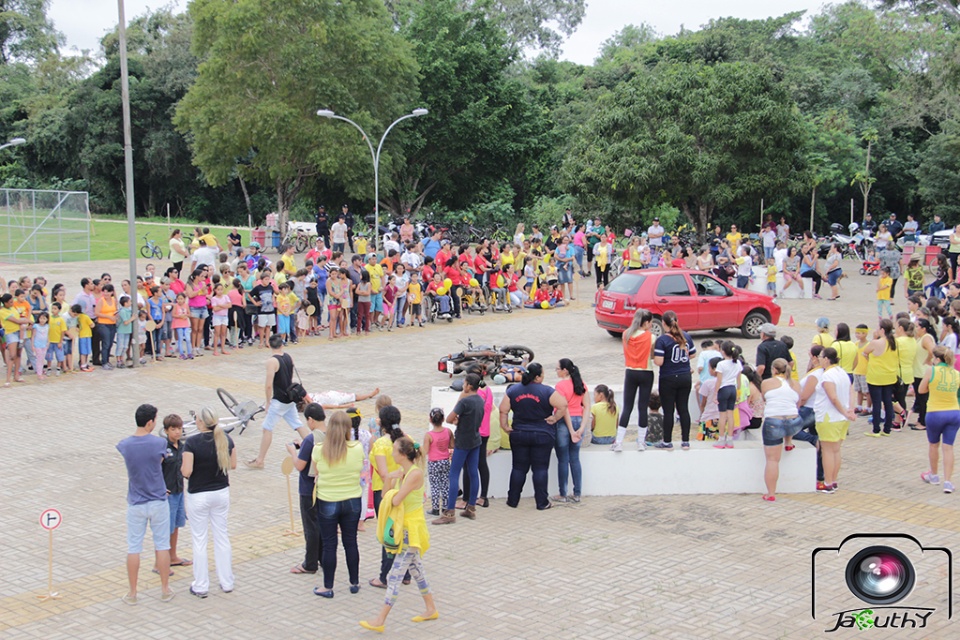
[534, 371]
[611, 399]
[672, 326]
[887, 327]
[220, 440]
[410, 450]
[390, 422]
[578, 387]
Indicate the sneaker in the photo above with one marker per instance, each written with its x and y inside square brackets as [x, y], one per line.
[664, 445]
[947, 487]
[885, 434]
[107, 367]
[685, 446]
[199, 594]
[872, 434]
[616, 446]
[641, 445]
[896, 428]
[720, 445]
[729, 445]
[824, 488]
[930, 478]
[559, 499]
[576, 499]
[821, 487]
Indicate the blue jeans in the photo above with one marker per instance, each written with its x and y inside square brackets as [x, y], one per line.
[882, 396]
[767, 253]
[568, 456]
[742, 282]
[530, 448]
[398, 309]
[346, 515]
[776, 429]
[468, 459]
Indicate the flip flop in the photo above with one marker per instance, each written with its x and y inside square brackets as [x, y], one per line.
[252, 465]
[377, 584]
[157, 571]
[299, 569]
[183, 563]
[913, 428]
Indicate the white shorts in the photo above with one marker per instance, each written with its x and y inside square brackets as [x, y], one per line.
[266, 320]
[333, 398]
[277, 410]
[220, 321]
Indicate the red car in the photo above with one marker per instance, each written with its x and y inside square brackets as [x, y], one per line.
[700, 300]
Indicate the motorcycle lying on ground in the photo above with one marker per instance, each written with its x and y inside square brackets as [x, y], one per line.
[490, 358]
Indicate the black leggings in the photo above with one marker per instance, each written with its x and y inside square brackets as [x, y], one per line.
[675, 394]
[603, 275]
[817, 280]
[637, 385]
[920, 402]
[484, 472]
[882, 396]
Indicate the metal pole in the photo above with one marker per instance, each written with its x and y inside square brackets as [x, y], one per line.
[376, 174]
[128, 166]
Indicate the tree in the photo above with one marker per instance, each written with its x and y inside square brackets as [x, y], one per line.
[863, 179]
[267, 66]
[938, 173]
[26, 34]
[695, 135]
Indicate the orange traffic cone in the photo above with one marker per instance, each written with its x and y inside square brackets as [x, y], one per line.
[791, 323]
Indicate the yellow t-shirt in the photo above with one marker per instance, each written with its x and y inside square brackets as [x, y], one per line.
[382, 446]
[734, 240]
[341, 481]
[86, 326]
[944, 381]
[906, 352]
[414, 293]
[289, 264]
[883, 369]
[209, 238]
[6, 315]
[604, 422]
[883, 291]
[58, 327]
[376, 274]
[505, 259]
[771, 273]
[847, 351]
[360, 244]
[862, 362]
[823, 339]
[794, 373]
[286, 303]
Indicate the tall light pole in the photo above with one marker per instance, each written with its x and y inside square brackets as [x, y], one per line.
[375, 156]
[128, 167]
[14, 142]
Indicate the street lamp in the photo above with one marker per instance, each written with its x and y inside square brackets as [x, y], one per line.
[14, 142]
[375, 156]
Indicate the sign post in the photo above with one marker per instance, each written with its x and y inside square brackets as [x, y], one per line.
[287, 468]
[50, 519]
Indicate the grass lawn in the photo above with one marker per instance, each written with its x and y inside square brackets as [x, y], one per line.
[108, 241]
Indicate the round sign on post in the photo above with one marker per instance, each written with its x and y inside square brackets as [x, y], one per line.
[50, 519]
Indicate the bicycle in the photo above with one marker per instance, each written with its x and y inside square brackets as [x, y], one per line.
[242, 413]
[298, 239]
[151, 249]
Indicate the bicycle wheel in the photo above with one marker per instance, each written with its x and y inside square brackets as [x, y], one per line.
[146, 251]
[228, 400]
[157, 253]
[517, 354]
[302, 243]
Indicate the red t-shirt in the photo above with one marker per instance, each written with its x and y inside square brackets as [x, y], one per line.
[454, 274]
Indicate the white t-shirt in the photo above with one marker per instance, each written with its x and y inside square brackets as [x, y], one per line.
[655, 241]
[729, 371]
[205, 256]
[745, 265]
[779, 255]
[391, 244]
[823, 406]
[703, 363]
[769, 238]
[812, 400]
[412, 260]
[339, 232]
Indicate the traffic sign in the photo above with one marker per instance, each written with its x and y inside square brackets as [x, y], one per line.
[50, 519]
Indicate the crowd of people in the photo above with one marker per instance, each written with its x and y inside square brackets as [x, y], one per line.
[216, 298]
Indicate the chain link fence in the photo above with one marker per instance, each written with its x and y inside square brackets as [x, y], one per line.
[44, 226]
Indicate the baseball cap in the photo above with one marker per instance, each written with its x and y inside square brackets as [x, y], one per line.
[823, 323]
[768, 328]
[371, 255]
[148, 276]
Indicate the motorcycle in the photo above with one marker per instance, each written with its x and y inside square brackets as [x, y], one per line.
[491, 358]
[853, 244]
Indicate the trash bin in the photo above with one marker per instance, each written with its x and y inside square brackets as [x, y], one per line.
[259, 236]
[275, 239]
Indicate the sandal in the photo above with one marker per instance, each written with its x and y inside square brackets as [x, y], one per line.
[375, 582]
[483, 502]
[299, 569]
[769, 498]
[915, 428]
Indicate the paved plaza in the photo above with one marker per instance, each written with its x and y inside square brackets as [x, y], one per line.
[705, 566]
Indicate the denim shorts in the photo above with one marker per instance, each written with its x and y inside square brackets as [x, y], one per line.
[277, 410]
[376, 302]
[602, 439]
[84, 346]
[199, 312]
[776, 429]
[727, 398]
[11, 338]
[54, 352]
[178, 511]
[942, 425]
[155, 512]
[833, 277]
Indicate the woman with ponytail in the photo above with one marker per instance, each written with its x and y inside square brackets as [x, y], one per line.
[536, 409]
[672, 352]
[570, 433]
[384, 466]
[882, 373]
[408, 456]
[638, 377]
[208, 458]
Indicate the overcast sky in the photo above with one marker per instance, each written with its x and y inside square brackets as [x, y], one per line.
[84, 22]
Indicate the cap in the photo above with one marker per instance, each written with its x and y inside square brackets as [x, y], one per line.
[371, 255]
[768, 329]
[823, 323]
[148, 276]
[914, 258]
[656, 219]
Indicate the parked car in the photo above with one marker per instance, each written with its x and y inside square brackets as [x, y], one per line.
[701, 302]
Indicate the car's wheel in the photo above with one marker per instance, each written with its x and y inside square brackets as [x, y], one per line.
[615, 334]
[656, 328]
[752, 323]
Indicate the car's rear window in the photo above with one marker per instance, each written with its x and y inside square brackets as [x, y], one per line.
[626, 283]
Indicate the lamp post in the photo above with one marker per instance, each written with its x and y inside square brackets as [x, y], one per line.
[375, 156]
[14, 142]
[128, 174]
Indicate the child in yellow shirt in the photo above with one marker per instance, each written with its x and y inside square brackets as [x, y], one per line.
[84, 336]
[883, 293]
[771, 277]
[57, 331]
[415, 298]
[864, 404]
[360, 244]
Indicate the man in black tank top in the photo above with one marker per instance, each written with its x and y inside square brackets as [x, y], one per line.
[279, 403]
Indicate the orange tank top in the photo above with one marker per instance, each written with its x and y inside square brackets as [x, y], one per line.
[637, 351]
[108, 311]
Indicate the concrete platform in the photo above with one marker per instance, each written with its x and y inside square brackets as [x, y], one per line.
[701, 470]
